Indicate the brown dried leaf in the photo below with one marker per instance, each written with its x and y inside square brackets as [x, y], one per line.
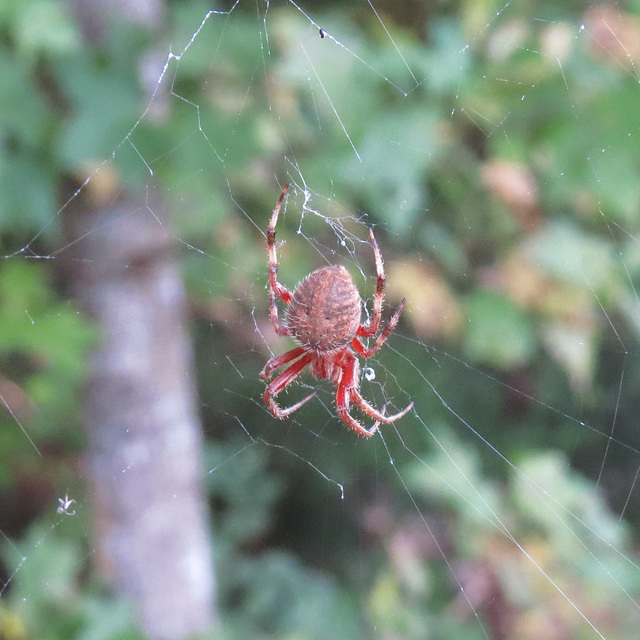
[515, 187]
[431, 305]
[614, 36]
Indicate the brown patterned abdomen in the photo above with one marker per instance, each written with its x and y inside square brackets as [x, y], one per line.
[325, 309]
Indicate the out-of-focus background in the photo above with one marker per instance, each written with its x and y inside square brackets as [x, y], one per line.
[146, 491]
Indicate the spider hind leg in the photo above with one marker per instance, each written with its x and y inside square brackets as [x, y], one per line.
[279, 412]
[276, 363]
[283, 381]
[380, 416]
[348, 393]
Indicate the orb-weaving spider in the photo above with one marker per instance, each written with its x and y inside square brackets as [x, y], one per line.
[323, 316]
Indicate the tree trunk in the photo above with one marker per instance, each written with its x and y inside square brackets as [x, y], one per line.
[150, 519]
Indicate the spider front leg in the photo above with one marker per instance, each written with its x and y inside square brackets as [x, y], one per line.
[371, 329]
[365, 352]
[275, 288]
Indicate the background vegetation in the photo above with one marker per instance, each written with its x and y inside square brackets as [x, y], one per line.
[508, 213]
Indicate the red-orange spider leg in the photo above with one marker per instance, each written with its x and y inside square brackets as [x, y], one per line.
[282, 381]
[371, 329]
[275, 288]
[343, 397]
[360, 402]
[365, 352]
[348, 392]
[276, 363]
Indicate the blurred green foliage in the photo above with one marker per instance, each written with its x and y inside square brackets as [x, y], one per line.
[505, 180]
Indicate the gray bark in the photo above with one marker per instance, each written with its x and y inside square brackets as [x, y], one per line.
[150, 521]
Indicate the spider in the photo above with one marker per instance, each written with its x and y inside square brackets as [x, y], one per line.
[323, 316]
[65, 506]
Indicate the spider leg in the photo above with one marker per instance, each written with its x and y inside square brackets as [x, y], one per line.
[368, 352]
[376, 425]
[352, 423]
[372, 328]
[346, 381]
[348, 392]
[380, 416]
[276, 363]
[275, 288]
[282, 381]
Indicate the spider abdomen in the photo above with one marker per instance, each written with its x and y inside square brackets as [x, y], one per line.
[325, 309]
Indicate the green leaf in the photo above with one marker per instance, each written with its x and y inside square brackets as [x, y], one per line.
[28, 199]
[23, 112]
[106, 103]
[566, 252]
[46, 27]
[499, 333]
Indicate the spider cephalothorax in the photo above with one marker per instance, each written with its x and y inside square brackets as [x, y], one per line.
[323, 315]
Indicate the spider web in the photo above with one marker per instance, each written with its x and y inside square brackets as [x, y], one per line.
[514, 527]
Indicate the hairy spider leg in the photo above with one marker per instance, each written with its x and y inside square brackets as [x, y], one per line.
[367, 331]
[380, 416]
[282, 381]
[368, 352]
[275, 288]
[348, 392]
[276, 363]
[343, 398]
